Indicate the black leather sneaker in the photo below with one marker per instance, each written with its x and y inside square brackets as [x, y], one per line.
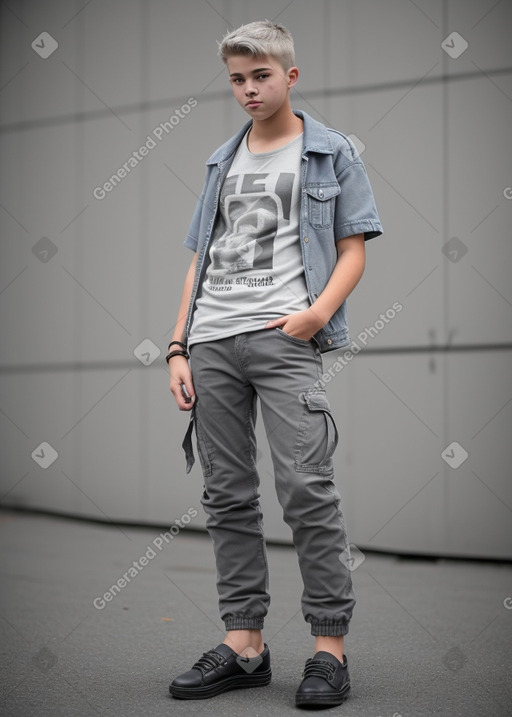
[325, 681]
[220, 670]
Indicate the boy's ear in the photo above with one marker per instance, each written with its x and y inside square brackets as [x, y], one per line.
[293, 76]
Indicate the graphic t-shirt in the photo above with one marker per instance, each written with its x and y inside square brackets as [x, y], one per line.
[255, 271]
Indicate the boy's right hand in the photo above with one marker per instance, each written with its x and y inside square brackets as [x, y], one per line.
[181, 384]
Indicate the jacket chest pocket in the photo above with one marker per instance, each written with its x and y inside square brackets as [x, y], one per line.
[321, 201]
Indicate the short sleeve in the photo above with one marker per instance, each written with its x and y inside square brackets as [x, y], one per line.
[194, 230]
[355, 210]
[192, 238]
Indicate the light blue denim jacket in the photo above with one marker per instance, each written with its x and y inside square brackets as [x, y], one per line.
[336, 201]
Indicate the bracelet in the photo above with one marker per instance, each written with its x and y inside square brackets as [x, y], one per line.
[176, 353]
[182, 345]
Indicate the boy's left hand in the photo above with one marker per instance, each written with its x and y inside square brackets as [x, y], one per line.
[302, 324]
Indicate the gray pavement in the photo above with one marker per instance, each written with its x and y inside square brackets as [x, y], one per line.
[427, 637]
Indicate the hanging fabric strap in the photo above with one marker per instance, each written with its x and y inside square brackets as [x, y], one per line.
[187, 441]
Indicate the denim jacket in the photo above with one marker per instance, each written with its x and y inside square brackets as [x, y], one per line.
[336, 202]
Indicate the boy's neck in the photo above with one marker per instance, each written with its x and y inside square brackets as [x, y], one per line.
[275, 131]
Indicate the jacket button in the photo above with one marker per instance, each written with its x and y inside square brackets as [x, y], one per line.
[306, 239]
[321, 193]
[329, 341]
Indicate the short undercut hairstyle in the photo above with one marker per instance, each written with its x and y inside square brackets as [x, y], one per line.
[257, 39]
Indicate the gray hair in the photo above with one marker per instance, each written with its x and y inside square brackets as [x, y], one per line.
[258, 39]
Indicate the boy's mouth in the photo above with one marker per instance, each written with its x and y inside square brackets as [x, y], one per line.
[253, 103]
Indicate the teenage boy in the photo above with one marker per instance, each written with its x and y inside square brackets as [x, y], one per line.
[278, 237]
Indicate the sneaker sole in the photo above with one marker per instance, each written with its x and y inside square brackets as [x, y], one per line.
[230, 683]
[321, 699]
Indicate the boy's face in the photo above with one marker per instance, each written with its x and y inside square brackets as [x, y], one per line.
[260, 85]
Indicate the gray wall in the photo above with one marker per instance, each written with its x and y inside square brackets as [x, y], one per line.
[84, 281]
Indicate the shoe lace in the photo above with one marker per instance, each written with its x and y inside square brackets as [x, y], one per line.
[208, 661]
[319, 668]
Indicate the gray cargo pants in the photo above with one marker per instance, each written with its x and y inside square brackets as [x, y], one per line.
[229, 374]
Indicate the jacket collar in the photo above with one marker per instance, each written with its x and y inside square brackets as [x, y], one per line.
[316, 139]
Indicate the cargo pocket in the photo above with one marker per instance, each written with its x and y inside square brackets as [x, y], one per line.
[317, 436]
[321, 202]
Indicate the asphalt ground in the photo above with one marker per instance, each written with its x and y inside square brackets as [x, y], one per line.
[428, 637]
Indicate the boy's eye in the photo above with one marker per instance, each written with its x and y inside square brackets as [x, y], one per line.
[239, 80]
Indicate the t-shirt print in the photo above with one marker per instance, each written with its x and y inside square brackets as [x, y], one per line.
[251, 218]
[254, 271]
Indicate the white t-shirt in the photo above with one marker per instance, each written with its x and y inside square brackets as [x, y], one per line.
[255, 271]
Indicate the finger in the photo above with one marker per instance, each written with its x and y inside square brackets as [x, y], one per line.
[187, 397]
[181, 401]
[178, 394]
[186, 406]
[277, 322]
[188, 391]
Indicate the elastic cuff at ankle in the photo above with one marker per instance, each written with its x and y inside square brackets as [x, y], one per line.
[243, 623]
[329, 628]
